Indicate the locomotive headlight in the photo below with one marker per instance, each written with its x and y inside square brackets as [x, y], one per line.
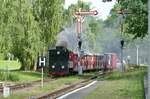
[58, 52]
[53, 66]
[62, 67]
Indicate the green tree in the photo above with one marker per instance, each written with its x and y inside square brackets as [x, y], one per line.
[48, 14]
[136, 23]
[5, 39]
[25, 33]
[29, 26]
[19, 31]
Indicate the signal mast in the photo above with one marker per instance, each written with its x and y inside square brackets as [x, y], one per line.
[79, 18]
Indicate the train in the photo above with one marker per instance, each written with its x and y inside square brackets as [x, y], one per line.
[62, 61]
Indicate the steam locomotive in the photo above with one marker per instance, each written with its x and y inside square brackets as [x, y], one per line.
[61, 61]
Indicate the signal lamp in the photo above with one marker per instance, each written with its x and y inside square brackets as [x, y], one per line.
[79, 44]
[122, 43]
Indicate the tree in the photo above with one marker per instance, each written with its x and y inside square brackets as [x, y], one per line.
[27, 27]
[5, 39]
[136, 23]
[19, 31]
[48, 14]
[25, 33]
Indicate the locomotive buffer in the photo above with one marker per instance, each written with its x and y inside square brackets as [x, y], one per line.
[80, 14]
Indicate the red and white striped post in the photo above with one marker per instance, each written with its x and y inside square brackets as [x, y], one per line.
[80, 14]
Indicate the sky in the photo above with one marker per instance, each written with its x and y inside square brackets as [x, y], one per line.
[102, 8]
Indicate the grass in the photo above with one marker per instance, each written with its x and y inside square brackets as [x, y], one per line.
[17, 76]
[12, 65]
[28, 76]
[20, 76]
[51, 86]
[120, 86]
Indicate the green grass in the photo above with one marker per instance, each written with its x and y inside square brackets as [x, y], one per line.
[20, 76]
[120, 86]
[12, 65]
[51, 86]
[28, 76]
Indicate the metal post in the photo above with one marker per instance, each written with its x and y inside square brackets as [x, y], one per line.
[80, 71]
[149, 49]
[122, 66]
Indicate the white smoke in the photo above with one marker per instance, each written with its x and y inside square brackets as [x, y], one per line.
[68, 36]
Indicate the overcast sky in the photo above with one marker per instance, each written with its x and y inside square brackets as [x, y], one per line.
[102, 8]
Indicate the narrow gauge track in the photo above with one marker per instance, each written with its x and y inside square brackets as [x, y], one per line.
[60, 92]
[25, 85]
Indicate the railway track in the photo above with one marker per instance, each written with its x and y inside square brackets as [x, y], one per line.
[62, 91]
[24, 85]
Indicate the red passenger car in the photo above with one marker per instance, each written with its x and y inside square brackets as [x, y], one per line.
[110, 60]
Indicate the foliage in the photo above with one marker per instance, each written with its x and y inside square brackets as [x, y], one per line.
[136, 23]
[48, 13]
[24, 28]
[12, 65]
[113, 20]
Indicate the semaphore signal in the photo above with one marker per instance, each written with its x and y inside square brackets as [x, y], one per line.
[80, 15]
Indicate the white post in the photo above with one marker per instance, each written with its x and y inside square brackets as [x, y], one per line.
[42, 78]
[149, 49]
[137, 55]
